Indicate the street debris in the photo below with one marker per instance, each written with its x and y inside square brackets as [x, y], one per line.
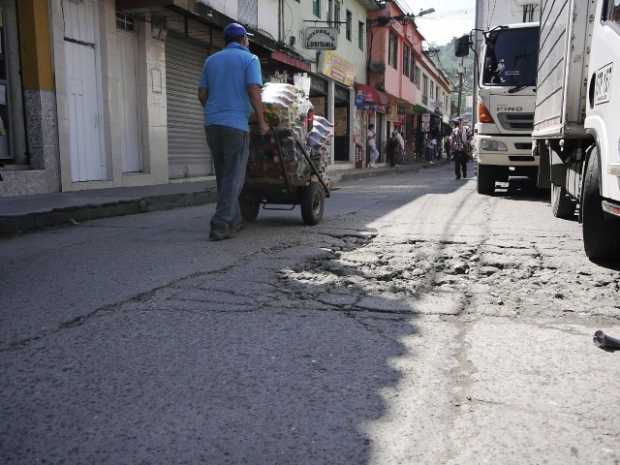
[605, 342]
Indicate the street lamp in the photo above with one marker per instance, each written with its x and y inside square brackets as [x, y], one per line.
[385, 20]
[428, 11]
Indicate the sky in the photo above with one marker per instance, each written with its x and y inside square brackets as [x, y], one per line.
[452, 18]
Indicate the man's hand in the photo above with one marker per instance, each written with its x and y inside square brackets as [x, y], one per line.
[203, 95]
[254, 93]
[263, 127]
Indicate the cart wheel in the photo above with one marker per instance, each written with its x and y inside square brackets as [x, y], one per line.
[312, 204]
[249, 208]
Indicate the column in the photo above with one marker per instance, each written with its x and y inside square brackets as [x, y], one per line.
[331, 110]
[38, 85]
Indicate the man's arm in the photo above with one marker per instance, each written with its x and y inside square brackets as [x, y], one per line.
[203, 95]
[254, 92]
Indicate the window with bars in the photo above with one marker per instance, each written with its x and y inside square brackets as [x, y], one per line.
[360, 35]
[337, 14]
[406, 60]
[316, 8]
[125, 23]
[416, 76]
[349, 25]
[529, 11]
[393, 51]
[425, 90]
[612, 15]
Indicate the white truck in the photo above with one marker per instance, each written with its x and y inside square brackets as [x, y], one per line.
[577, 120]
[502, 142]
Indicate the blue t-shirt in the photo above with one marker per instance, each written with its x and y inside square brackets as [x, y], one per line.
[226, 75]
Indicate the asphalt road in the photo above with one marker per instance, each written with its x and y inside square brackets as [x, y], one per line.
[420, 323]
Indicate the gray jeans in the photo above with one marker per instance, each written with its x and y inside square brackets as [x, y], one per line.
[230, 149]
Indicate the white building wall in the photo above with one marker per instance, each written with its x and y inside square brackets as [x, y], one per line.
[151, 82]
[295, 16]
[492, 13]
[228, 7]
[268, 17]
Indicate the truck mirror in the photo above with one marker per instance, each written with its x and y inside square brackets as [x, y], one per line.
[461, 46]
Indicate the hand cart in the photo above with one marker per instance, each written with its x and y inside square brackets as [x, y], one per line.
[282, 171]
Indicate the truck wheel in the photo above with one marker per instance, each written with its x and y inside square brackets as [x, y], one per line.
[601, 235]
[486, 180]
[561, 205]
[312, 204]
[249, 208]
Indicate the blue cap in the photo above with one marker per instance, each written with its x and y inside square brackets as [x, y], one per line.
[235, 31]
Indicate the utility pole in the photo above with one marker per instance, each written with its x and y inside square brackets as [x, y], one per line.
[461, 72]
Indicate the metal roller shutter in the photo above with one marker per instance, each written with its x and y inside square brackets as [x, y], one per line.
[188, 152]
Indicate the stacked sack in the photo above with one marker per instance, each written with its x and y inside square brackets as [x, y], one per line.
[286, 107]
[320, 140]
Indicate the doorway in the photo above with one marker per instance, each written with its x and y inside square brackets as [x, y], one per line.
[83, 92]
[130, 123]
[342, 118]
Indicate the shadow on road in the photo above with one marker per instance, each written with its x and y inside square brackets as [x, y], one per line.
[281, 358]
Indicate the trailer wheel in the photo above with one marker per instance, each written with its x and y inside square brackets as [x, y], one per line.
[601, 235]
[486, 180]
[249, 208]
[312, 204]
[561, 205]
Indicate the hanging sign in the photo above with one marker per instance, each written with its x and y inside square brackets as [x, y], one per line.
[337, 68]
[321, 38]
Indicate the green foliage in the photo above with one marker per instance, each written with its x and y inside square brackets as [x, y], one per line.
[445, 59]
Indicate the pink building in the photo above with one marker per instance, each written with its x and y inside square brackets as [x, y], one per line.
[399, 67]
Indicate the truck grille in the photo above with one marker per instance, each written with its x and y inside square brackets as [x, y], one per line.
[517, 121]
[523, 146]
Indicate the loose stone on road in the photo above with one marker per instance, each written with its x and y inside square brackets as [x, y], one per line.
[419, 323]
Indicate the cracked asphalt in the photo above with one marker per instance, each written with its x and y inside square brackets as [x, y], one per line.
[420, 323]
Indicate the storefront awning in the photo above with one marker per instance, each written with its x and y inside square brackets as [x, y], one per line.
[285, 58]
[372, 95]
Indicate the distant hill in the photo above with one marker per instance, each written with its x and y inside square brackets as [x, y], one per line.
[443, 56]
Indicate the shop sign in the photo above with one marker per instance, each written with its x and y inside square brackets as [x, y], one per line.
[363, 101]
[337, 68]
[392, 113]
[360, 100]
[426, 122]
[321, 38]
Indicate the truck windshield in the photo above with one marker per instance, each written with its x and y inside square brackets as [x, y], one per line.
[511, 57]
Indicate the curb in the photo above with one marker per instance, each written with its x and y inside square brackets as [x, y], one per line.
[384, 172]
[13, 225]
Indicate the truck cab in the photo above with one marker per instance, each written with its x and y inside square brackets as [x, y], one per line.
[507, 100]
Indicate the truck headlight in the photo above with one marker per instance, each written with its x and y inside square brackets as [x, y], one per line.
[491, 145]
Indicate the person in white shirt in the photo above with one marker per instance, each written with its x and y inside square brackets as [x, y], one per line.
[371, 141]
[460, 149]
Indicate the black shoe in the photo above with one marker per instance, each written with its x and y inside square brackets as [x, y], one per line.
[238, 227]
[220, 233]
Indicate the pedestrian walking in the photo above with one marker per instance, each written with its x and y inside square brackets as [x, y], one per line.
[447, 143]
[396, 148]
[371, 142]
[230, 86]
[460, 149]
[428, 149]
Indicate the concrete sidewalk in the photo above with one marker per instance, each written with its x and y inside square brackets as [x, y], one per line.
[32, 212]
